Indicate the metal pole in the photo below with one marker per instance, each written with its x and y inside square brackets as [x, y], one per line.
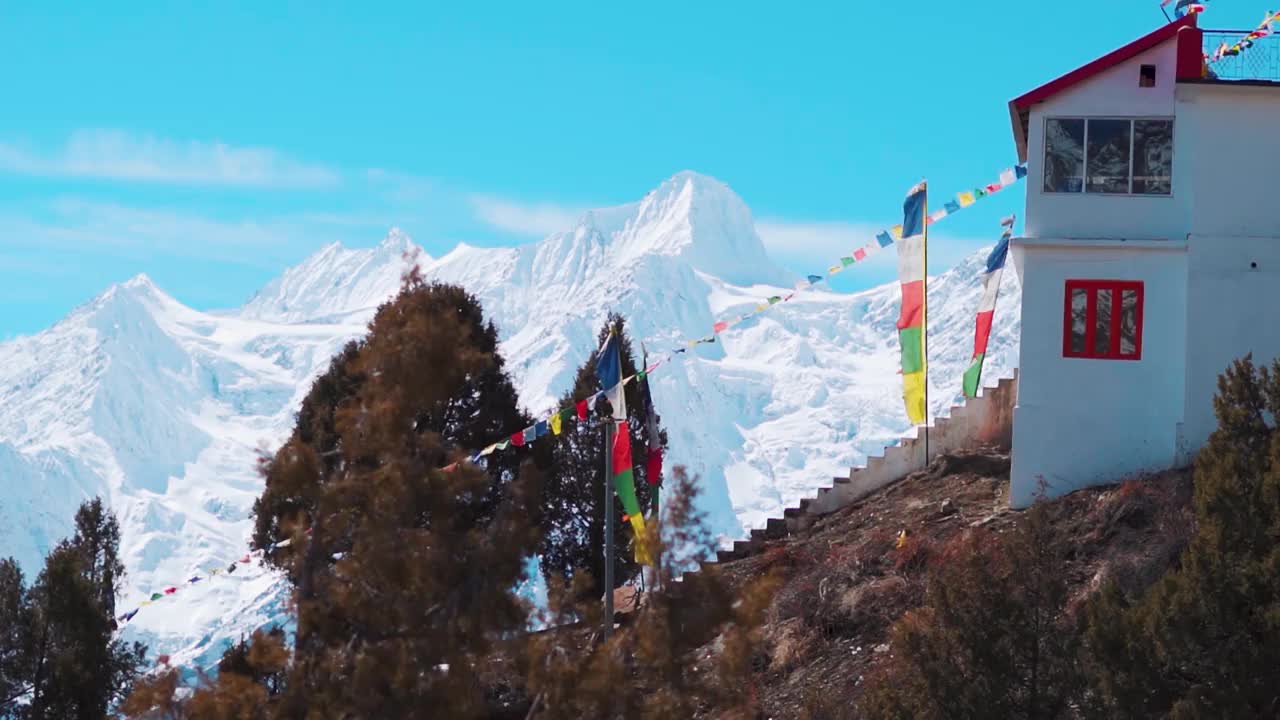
[608, 527]
[924, 331]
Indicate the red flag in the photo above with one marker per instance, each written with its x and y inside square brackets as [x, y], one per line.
[170, 590]
[653, 466]
[517, 439]
[582, 409]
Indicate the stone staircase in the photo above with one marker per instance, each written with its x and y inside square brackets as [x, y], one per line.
[984, 420]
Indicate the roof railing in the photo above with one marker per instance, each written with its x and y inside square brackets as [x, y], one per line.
[1259, 62]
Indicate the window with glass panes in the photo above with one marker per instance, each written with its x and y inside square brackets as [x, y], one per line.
[1103, 320]
[1113, 156]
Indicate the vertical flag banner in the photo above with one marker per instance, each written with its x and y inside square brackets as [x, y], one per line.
[987, 308]
[609, 371]
[653, 460]
[624, 483]
[912, 263]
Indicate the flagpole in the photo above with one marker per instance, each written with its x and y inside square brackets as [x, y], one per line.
[924, 321]
[608, 525]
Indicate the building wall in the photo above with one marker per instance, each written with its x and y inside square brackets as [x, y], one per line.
[1234, 244]
[1113, 93]
[1078, 421]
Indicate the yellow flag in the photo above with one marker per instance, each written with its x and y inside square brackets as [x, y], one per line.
[965, 199]
[555, 424]
[897, 232]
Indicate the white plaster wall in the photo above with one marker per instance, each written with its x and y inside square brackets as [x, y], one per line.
[1113, 93]
[1235, 171]
[1081, 422]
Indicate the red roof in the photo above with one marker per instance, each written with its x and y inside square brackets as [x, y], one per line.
[1190, 57]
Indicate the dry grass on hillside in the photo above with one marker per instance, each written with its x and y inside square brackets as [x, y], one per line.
[848, 578]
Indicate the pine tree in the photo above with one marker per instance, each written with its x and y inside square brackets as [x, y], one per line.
[406, 573]
[1204, 641]
[574, 491]
[480, 408]
[58, 658]
[990, 640]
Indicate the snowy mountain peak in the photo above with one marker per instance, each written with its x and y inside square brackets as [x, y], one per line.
[704, 221]
[397, 241]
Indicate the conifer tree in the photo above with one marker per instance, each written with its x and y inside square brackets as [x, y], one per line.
[574, 492]
[406, 574]
[1204, 641]
[58, 658]
[990, 640]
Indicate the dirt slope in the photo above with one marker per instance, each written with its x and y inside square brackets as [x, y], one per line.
[851, 574]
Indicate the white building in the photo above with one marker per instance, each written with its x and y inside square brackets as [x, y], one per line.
[1152, 254]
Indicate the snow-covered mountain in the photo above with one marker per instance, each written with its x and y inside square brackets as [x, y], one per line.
[163, 409]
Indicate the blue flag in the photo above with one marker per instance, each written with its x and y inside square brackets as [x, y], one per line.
[609, 371]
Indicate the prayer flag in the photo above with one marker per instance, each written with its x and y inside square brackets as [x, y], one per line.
[1007, 177]
[624, 484]
[1020, 171]
[897, 232]
[884, 239]
[846, 261]
[581, 408]
[156, 596]
[609, 371]
[170, 590]
[859, 254]
[541, 428]
[530, 434]
[556, 421]
[952, 207]
[720, 327]
[517, 439]
[987, 308]
[965, 199]
[912, 264]
[815, 279]
[774, 300]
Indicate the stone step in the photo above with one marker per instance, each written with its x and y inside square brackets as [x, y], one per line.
[776, 529]
[725, 556]
[842, 480]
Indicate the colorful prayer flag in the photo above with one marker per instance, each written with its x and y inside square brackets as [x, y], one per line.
[1007, 177]
[846, 261]
[952, 207]
[859, 254]
[884, 239]
[815, 279]
[517, 439]
[556, 425]
[624, 484]
[912, 327]
[581, 408]
[987, 310]
[720, 327]
[965, 199]
[541, 429]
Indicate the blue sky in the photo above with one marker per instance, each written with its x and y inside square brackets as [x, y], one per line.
[211, 146]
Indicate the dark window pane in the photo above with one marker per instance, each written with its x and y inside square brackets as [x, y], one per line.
[1108, 170]
[1064, 156]
[1152, 157]
[1102, 324]
[1079, 319]
[1129, 322]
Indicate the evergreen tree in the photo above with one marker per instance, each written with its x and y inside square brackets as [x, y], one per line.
[57, 655]
[990, 640]
[1204, 641]
[574, 493]
[480, 407]
[406, 575]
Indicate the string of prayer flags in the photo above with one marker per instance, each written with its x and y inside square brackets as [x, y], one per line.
[991, 275]
[195, 579]
[1263, 30]
[913, 256]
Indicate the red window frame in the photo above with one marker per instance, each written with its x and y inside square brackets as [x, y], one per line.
[1094, 288]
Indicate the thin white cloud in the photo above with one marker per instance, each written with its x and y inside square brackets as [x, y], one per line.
[92, 228]
[822, 241]
[817, 245]
[117, 155]
[539, 219]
